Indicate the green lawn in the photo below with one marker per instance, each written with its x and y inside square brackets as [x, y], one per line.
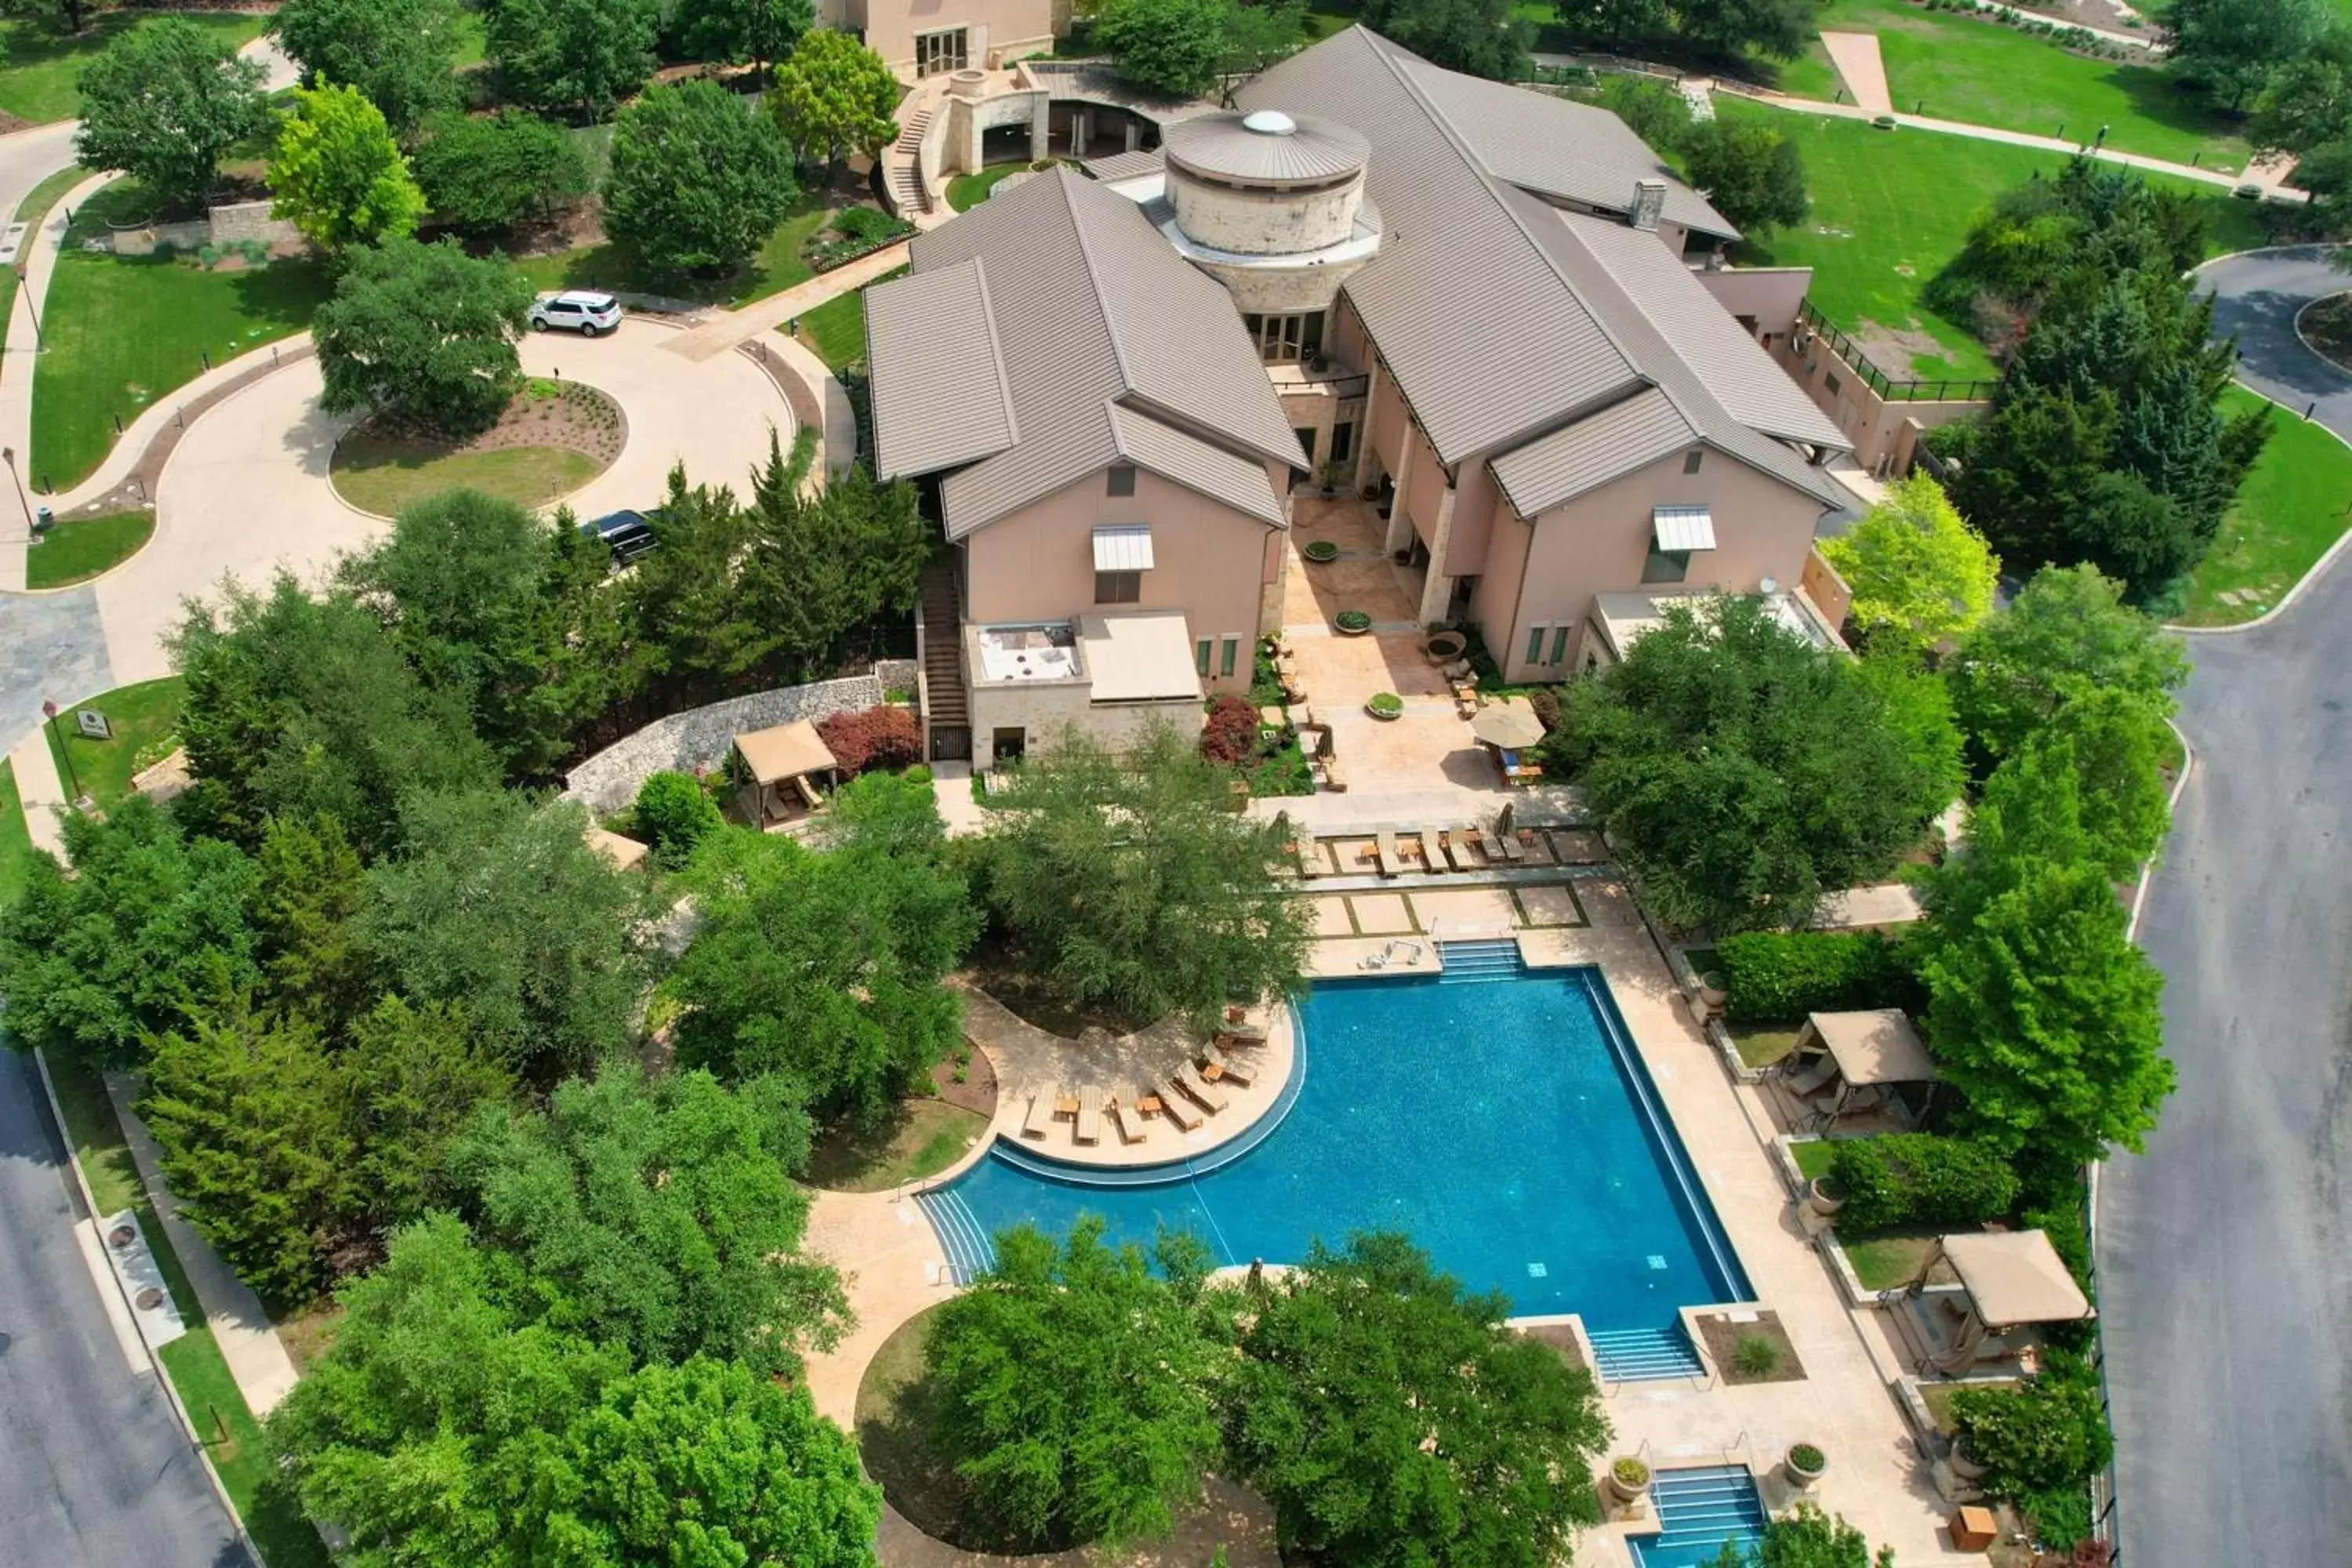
[1889, 1262]
[15, 839]
[72, 552]
[383, 474]
[38, 81]
[926, 1137]
[32, 210]
[2295, 503]
[966, 192]
[1952, 67]
[198, 1372]
[1812, 1157]
[836, 329]
[616, 265]
[1760, 1047]
[123, 331]
[1891, 207]
[141, 715]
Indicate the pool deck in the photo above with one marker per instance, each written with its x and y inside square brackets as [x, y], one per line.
[893, 1267]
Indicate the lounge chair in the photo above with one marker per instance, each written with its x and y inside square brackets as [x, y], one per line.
[1241, 1034]
[1433, 855]
[1310, 857]
[1089, 1128]
[1384, 850]
[1231, 1067]
[1490, 843]
[1040, 1117]
[1513, 850]
[1804, 1081]
[1204, 1093]
[1457, 849]
[1127, 1119]
[1172, 1106]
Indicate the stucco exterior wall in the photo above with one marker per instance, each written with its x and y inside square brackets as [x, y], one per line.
[1870, 421]
[1475, 500]
[1210, 562]
[1424, 487]
[995, 30]
[1598, 544]
[1768, 295]
[1043, 710]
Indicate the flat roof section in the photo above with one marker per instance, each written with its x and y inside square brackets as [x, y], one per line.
[1042, 651]
[1140, 658]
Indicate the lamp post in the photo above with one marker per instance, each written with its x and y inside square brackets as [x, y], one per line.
[8, 456]
[32, 308]
[2101, 141]
[49, 711]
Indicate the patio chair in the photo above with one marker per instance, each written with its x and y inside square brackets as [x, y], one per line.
[1173, 1108]
[1384, 851]
[1490, 843]
[1238, 1035]
[1040, 1117]
[1090, 1104]
[1204, 1093]
[1127, 1120]
[1232, 1068]
[1803, 1082]
[1513, 850]
[1458, 849]
[1432, 853]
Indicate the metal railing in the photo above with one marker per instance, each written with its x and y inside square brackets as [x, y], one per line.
[1893, 389]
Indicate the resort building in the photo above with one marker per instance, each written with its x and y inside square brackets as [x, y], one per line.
[917, 38]
[1493, 315]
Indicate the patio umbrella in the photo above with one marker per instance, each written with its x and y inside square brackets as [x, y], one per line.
[1509, 725]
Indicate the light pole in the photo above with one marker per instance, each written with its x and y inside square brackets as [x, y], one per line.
[49, 711]
[32, 308]
[2102, 141]
[8, 456]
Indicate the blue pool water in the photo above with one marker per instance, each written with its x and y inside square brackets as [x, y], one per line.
[1497, 1123]
[1698, 1510]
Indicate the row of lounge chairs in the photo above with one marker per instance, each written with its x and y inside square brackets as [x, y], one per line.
[1471, 847]
[1183, 1097]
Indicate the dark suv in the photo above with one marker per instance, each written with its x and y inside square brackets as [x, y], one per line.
[626, 534]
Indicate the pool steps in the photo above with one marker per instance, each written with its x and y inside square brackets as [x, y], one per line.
[1699, 1510]
[1468, 962]
[1635, 1355]
[970, 1252]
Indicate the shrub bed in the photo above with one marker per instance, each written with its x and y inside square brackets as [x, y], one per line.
[1230, 736]
[883, 737]
[855, 231]
[1777, 977]
[1918, 1179]
[2039, 1437]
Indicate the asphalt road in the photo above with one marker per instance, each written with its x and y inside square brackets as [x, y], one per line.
[95, 1472]
[2226, 1249]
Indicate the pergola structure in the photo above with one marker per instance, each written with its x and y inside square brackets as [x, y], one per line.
[779, 763]
[1864, 1053]
[2013, 1279]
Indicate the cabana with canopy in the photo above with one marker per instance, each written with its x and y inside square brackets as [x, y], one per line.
[1865, 1054]
[778, 764]
[2011, 1279]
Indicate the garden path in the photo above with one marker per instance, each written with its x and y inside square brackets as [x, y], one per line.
[1855, 56]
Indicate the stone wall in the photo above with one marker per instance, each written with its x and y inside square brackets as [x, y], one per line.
[250, 220]
[701, 736]
[228, 225]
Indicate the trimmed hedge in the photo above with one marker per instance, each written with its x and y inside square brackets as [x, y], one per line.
[2046, 1435]
[1777, 977]
[1918, 1179]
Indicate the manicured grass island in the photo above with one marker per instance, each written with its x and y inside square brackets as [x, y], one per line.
[77, 551]
[141, 716]
[2295, 504]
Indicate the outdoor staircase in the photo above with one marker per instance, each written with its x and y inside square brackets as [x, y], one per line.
[1639, 1355]
[1468, 962]
[903, 165]
[946, 706]
[970, 1253]
[1699, 1510]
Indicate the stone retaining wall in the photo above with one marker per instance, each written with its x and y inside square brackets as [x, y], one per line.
[699, 737]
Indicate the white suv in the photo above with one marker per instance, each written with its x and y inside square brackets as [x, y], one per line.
[576, 310]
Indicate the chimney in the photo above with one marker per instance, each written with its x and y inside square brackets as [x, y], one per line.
[1649, 203]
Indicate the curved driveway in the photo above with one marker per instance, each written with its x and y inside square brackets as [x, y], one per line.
[247, 491]
[2226, 1249]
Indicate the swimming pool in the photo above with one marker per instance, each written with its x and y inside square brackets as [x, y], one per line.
[1503, 1122]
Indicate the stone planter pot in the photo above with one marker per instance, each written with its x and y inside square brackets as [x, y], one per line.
[1801, 1478]
[1445, 648]
[1824, 1197]
[1348, 631]
[1963, 1467]
[1385, 715]
[1711, 993]
[1623, 1490]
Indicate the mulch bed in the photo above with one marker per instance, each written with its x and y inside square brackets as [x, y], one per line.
[1559, 1337]
[576, 418]
[1723, 1337]
[976, 1093]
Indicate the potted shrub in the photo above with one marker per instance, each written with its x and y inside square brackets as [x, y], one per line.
[1713, 992]
[1319, 550]
[1385, 705]
[1352, 623]
[1629, 1478]
[1332, 479]
[1806, 1464]
[1826, 1196]
[1445, 647]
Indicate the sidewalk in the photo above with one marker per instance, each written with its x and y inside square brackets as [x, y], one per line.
[41, 791]
[264, 1372]
[734, 327]
[16, 364]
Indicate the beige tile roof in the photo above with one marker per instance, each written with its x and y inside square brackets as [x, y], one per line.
[1554, 470]
[2016, 1276]
[945, 402]
[1236, 146]
[1109, 341]
[785, 750]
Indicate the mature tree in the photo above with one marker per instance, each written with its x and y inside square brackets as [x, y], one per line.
[300, 706]
[699, 180]
[304, 898]
[1751, 171]
[824, 967]
[247, 1114]
[583, 55]
[1392, 1419]
[890, 813]
[100, 961]
[734, 31]
[2042, 1014]
[1073, 1387]
[497, 906]
[1126, 880]
[337, 172]
[833, 97]
[400, 53]
[1920, 575]
[2066, 240]
[1261, 34]
[424, 334]
[1481, 37]
[1176, 48]
[2231, 48]
[413, 1078]
[1726, 28]
[674, 813]
[663, 1214]
[1807, 1538]
[2307, 103]
[2114, 742]
[1652, 110]
[707, 1462]
[2067, 632]
[485, 600]
[1744, 773]
[1917, 707]
[485, 174]
[162, 102]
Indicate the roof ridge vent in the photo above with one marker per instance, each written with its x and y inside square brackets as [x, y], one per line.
[1269, 123]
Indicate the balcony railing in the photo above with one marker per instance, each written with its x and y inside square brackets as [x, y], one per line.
[1892, 388]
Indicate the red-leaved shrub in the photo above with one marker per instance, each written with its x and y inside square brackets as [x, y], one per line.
[1229, 737]
[883, 737]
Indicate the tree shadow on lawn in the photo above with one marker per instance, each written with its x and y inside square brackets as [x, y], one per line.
[2157, 97]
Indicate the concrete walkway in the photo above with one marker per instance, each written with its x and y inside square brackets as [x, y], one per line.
[41, 791]
[257, 1358]
[764, 315]
[17, 366]
[1855, 56]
